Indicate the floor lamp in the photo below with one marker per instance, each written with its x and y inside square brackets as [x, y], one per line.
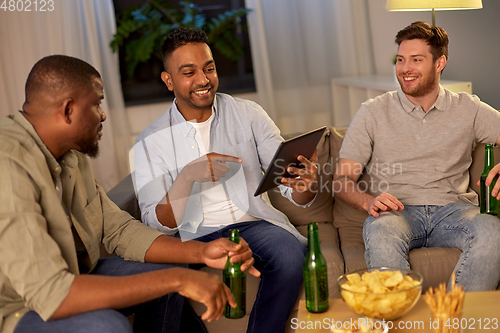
[432, 5]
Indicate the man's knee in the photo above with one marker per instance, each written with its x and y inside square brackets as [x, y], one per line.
[387, 225]
[486, 231]
[109, 321]
[288, 258]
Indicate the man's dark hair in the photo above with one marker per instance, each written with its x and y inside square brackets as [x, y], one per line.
[52, 74]
[179, 37]
[436, 37]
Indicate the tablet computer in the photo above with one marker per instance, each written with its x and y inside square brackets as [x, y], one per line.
[286, 155]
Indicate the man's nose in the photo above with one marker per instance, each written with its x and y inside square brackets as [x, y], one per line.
[202, 79]
[407, 66]
[103, 115]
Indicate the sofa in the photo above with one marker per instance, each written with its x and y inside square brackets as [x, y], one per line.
[340, 230]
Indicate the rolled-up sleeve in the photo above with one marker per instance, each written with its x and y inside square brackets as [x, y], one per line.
[123, 234]
[30, 260]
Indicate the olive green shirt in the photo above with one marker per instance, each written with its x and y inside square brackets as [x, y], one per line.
[44, 202]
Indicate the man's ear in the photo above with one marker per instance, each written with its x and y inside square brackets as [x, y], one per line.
[66, 110]
[167, 79]
[441, 63]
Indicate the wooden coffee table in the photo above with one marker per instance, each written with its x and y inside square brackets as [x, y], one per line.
[481, 314]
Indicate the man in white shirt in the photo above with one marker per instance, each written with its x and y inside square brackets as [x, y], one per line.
[197, 167]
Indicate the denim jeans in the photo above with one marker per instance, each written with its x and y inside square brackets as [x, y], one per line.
[165, 314]
[389, 237]
[279, 257]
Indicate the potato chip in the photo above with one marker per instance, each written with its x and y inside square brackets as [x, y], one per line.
[394, 280]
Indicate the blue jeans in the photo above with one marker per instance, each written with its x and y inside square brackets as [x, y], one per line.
[165, 314]
[390, 237]
[279, 257]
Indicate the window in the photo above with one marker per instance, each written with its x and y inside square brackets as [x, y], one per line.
[146, 86]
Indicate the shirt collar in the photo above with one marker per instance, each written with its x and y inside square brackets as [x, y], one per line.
[178, 119]
[408, 106]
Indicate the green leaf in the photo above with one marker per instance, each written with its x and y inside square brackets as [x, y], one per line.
[140, 30]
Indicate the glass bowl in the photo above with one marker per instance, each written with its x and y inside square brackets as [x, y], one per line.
[381, 292]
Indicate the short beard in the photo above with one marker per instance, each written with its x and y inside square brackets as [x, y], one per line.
[424, 88]
[87, 147]
[91, 150]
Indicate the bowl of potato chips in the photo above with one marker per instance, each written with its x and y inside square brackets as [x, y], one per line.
[383, 293]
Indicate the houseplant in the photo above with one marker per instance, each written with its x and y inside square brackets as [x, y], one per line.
[140, 30]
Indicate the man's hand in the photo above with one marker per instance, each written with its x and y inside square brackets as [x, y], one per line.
[491, 175]
[216, 252]
[210, 167]
[207, 289]
[306, 180]
[383, 202]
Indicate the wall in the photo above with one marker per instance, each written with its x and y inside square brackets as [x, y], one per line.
[474, 43]
[474, 52]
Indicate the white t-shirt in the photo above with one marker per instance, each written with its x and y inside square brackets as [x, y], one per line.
[218, 209]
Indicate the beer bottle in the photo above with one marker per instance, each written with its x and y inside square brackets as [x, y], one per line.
[235, 279]
[488, 204]
[315, 273]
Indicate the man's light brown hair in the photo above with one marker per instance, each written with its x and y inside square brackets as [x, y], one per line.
[435, 37]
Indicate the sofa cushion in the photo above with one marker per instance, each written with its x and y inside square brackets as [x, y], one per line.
[321, 208]
[352, 247]
[434, 263]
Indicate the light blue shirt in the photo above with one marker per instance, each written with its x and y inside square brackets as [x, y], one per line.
[240, 128]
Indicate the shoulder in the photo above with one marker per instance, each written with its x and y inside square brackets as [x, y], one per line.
[462, 100]
[159, 124]
[377, 107]
[15, 143]
[228, 102]
[381, 101]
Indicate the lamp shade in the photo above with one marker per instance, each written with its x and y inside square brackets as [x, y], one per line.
[427, 5]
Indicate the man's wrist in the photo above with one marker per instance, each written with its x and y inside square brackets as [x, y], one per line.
[200, 251]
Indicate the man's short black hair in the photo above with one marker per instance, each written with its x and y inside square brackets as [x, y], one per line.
[179, 37]
[56, 73]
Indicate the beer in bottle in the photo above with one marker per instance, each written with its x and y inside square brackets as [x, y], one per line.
[235, 279]
[488, 204]
[315, 273]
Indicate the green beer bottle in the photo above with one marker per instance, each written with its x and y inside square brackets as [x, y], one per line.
[488, 204]
[235, 279]
[315, 273]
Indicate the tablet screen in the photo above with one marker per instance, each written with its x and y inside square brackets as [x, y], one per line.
[286, 155]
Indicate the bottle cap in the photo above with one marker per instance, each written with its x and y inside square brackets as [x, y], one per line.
[312, 226]
[234, 235]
